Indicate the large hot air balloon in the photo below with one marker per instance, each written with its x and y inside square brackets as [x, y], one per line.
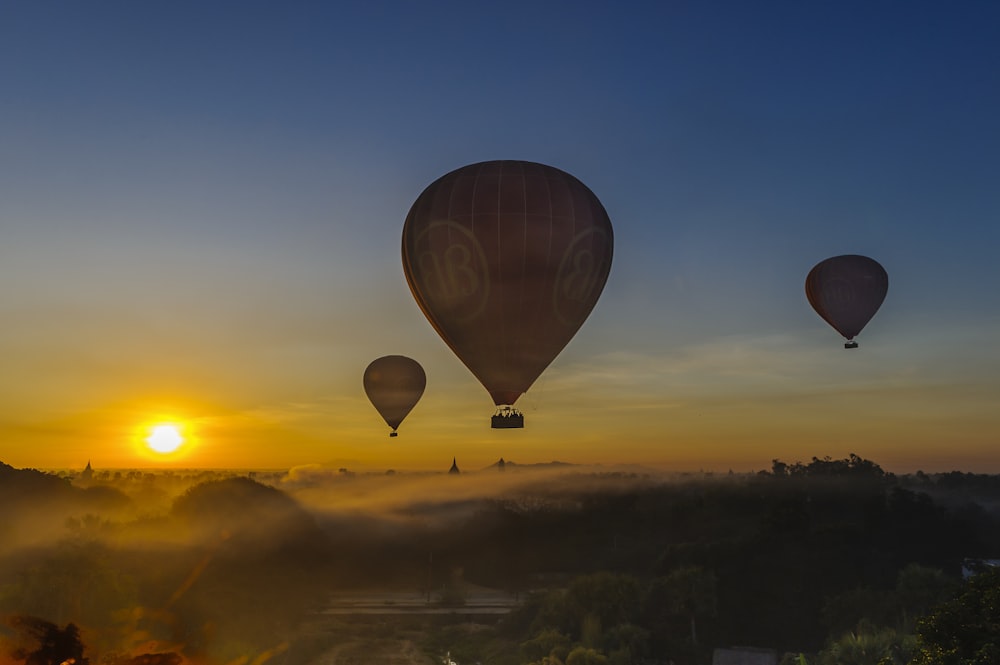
[847, 291]
[394, 384]
[506, 259]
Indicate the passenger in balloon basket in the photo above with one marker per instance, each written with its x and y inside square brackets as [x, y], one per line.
[507, 417]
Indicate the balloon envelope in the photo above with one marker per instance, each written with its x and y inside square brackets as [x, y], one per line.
[507, 259]
[394, 384]
[847, 291]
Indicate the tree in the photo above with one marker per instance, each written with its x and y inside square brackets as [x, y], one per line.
[625, 643]
[585, 656]
[919, 588]
[44, 643]
[689, 592]
[882, 646]
[858, 608]
[966, 629]
[548, 643]
[77, 580]
[609, 599]
[591, 634]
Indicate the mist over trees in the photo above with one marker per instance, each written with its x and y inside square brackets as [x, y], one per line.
[231, 567]
[837, 559]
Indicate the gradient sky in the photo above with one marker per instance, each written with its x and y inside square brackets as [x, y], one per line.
[201, 206]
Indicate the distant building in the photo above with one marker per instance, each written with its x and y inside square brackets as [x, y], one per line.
[87, 474]
[454, 467]
[501, 465]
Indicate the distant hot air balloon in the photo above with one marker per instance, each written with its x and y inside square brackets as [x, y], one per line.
[847, 291]
[394, 384]
[506, 259]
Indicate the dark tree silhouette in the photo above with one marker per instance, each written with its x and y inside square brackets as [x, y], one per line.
[51, 645]
[966, 629]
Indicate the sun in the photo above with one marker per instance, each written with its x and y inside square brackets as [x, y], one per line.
[164, 438]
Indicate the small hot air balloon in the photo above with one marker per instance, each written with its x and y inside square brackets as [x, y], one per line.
[394, 384]
[847, 291]
[507, 259]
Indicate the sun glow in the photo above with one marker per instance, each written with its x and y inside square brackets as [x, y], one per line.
[164, 438]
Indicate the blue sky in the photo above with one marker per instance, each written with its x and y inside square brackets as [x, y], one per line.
[201, 207]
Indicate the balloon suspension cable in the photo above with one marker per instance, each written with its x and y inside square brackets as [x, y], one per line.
[507, 417]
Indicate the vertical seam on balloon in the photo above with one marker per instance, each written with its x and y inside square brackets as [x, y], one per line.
[548, 253]
[472, 227]
[503, 321]
[472, 204]
[524, 238]
[548, 249]
[472, 211]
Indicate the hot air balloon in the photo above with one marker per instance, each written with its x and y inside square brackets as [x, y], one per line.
[394, 384]
[507, 259]
[847, 291]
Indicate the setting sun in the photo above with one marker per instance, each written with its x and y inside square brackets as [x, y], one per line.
[164, 438]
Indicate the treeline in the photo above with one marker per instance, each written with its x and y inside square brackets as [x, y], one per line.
[928, 618]
[795, 558]
[229, 572]
[625, 567]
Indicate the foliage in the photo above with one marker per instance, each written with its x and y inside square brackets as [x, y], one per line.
[254, 568]
[919, 589]
[610, 598]
[585, 656]
[872, 646]
[642, 570]
[626, 643]
[601, 599]
[76, 581]
[471, 643]
[687, 592]
[966, 629]
[549, 642]
[42, 642]
[790, 560]
[853, 467]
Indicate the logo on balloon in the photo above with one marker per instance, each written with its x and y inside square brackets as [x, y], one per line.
[839, 293]
[582, 272]
[452, 268]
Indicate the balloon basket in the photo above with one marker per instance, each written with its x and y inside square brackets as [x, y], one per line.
[392, 434]
[851, 345]
[507, 418]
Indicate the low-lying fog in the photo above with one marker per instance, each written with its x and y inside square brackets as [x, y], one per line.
[223, 563]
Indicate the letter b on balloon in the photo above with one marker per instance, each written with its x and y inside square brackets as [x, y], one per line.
[506, 259]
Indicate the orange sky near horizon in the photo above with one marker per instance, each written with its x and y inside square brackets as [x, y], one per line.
[731, 405]
[202, 209]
